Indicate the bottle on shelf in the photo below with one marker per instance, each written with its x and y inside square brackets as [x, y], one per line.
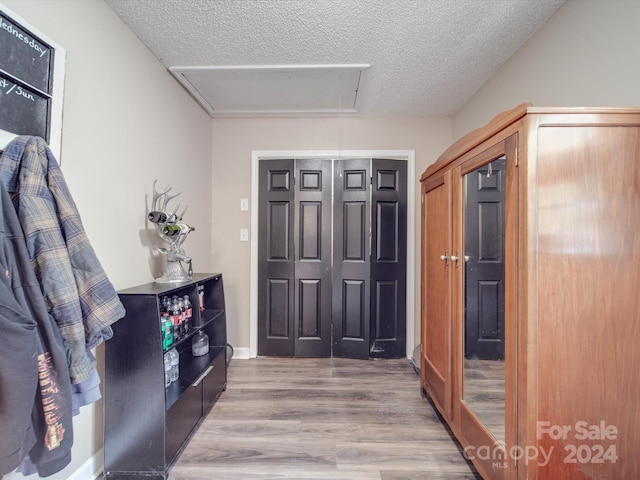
[175, 364]
[200, 344]
[188, 312]
[163, 330]
[164, 305]
[201, 297]
[167, 330]
[176, 317]
[183, 316]
[167, 369]
[188, 306]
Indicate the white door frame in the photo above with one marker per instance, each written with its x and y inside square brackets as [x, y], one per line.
[407, 155]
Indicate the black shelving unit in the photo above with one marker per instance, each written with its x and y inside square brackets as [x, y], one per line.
[146, 425]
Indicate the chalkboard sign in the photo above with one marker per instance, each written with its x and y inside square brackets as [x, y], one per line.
[24, 56]
[22, 111]
[26, 78]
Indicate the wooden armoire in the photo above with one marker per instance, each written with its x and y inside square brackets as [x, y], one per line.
[530, 293]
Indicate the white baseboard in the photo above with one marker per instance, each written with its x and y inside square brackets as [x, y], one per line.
[91, 469]
[241, 353]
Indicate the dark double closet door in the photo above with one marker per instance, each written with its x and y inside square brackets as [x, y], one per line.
[332, 258]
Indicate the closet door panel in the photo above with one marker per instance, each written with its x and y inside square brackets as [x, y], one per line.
[351, 259]
[388, 258]
[276, 284]
[312, 272]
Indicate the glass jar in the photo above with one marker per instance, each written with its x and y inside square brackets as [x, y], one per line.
[200, 344]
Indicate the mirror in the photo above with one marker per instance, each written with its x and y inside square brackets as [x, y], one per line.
[484, 281]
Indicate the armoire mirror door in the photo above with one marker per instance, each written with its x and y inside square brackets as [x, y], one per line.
[487, 294]
[483, 314]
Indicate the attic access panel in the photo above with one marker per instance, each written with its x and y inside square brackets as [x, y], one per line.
[273, 90]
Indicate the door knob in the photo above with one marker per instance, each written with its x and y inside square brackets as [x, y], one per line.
[445, 258]
[455, 258]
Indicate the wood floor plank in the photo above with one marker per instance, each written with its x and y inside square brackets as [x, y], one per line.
[385, 475]
[414, 456]
[320, 419]
[267, 430]
[285, 473]
[368, 432]
[232, 453]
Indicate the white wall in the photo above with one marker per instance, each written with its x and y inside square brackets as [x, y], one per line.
[126, 122]
[586, 55]
[233, 142]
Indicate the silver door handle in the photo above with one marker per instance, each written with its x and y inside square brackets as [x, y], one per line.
[201, 377]
[445, 258]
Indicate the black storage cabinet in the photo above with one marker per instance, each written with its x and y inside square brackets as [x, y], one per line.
[147, 425]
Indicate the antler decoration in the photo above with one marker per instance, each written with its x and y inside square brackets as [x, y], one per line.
[173, 231]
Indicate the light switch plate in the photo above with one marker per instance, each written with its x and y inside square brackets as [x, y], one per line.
[244, 204]
[244, 235]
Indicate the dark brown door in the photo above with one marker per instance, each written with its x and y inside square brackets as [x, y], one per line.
[310, 304]
[484, 261]
[388, 258]
[351, 253]
[276, 258]
[312, 270]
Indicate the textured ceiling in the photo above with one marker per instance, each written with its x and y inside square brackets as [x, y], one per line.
[427, 57]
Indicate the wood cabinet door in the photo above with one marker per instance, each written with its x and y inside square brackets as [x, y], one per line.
[181, 419]
[483, 308]
[436, 291]
[215, 382]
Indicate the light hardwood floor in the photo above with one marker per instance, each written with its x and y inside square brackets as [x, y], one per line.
[321, 419]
